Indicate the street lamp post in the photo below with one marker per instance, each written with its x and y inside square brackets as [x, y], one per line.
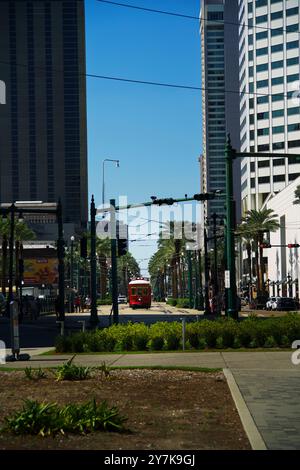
[94, 313]
[72, 273]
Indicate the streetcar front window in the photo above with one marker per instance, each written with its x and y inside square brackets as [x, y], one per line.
[133, 291]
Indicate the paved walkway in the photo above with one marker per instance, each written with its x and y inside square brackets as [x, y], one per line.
[268, 382]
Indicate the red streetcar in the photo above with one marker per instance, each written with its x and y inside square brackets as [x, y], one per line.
[139, 293]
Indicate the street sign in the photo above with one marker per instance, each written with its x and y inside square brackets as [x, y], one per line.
[227, 279]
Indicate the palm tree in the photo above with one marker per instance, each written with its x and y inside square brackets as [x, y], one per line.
[103, 252]
[259, 222]
[170, 252]
[128, 268]
[247, 237]
[297, 195]
[22, 232]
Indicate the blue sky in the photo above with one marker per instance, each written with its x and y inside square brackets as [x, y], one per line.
[154, 132]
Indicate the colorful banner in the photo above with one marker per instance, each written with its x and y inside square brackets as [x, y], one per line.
[39, 271]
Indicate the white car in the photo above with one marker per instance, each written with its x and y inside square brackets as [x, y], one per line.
[271, 303]
[122, 299]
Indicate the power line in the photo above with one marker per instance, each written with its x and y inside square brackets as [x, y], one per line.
[160, 84]
[188, 17]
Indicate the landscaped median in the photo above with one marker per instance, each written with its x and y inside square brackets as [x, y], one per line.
[252, 332]
[71, 407]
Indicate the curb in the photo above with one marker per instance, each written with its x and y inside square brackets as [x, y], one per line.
[253, 434]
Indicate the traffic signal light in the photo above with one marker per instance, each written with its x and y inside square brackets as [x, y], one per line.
[204, 196]
[83, 247]
[168, 201]
[265, 245]
[122, 246]
[293, 245]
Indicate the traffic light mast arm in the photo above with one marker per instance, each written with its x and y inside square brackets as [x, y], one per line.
[169, 201]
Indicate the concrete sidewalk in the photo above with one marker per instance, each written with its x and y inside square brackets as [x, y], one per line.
[268, 382]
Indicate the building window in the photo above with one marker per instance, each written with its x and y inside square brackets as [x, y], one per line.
[278, 113]
[278, 129]
[263, 179]
[278, 178]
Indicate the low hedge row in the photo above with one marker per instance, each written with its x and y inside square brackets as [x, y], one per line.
[222, 333]
[181, 303]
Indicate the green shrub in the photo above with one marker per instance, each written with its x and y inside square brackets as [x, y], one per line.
[70, 371]
[172, 333]
[183, 303]
[47, 419]
[202, 343]
[284, 341]
[219, 343]
[270, 342]
[236, 343]
[106, 301]
[172, 302]
[35, 374]
[249, 333]
[156, 343]
[63, 344]
[253, 344]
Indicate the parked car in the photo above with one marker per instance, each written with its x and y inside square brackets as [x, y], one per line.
[122, 299]
[284, 303]
[270, 302]
[281, 303]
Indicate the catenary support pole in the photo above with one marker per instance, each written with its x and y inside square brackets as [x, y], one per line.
[114, 267]
[230, 267]
[94, 313]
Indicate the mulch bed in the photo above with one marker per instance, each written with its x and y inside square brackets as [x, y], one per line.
[166, 410]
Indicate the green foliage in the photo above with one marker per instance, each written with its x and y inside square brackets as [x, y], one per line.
[172, 302]
[270, 342]
[106, 301]
[105, 370]
[70, 371]
[219, 343]
[47, 419]
[35, 374]
[226, 333]
[183, 303]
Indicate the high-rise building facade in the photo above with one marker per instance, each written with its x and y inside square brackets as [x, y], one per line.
[43, 142]
[269, 107]
[220, 98]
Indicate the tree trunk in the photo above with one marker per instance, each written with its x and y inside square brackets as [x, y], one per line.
[174, 279]
[261, 264]
[249, 258]
[257, 267]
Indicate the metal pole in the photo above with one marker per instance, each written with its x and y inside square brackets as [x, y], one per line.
[11, 253]
[114, 266]
[61, 265]
[201, 299]
[190, 280]
[94, 313]
[72, 274]
[206, 276]
[196, 281]
[216, 287]
[229, 156]
[103, 183]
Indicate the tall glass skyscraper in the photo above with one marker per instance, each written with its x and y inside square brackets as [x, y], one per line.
[269, 108]
[43, 142]
[220, 97]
